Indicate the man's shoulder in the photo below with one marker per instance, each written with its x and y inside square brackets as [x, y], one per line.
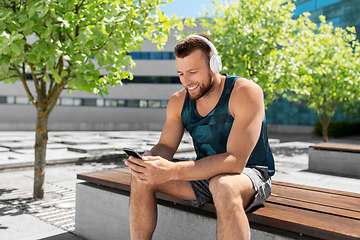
[176, 102]
[245, 86]
[179, 96]
[248, 93]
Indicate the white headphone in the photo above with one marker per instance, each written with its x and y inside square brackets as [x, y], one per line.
[215, 60]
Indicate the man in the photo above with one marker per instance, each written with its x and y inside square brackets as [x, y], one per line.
[225, 116]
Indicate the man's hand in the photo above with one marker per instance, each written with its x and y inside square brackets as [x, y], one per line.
[151, 169]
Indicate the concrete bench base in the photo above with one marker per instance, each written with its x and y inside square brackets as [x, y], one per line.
[330, 158]
[102, 213]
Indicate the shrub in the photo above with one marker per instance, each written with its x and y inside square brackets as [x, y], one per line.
[339, 129]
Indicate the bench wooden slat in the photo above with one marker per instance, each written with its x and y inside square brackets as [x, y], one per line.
[111, 178]
[320, 199]
[316, 189]
[312, 211]
[320, 225]
[337, 147]
[323, 208]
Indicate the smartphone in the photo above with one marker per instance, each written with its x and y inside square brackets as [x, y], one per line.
[132, 152]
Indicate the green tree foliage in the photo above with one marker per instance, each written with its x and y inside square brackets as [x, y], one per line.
[66, 35]
[326, 68]
[248, 35]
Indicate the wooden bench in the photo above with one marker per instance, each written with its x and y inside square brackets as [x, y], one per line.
[292, 211]
[335, 158]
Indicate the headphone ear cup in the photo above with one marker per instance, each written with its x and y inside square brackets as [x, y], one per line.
[215, 64]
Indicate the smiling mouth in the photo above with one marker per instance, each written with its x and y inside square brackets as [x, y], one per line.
[192, 88]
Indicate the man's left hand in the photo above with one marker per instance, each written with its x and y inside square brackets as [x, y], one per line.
[151, 169]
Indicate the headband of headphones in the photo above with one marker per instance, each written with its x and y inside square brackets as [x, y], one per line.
[215, 60]
[211, 45]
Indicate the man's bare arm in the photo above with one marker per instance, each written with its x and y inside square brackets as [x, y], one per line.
[173, 129]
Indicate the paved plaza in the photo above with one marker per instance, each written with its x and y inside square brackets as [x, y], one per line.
[70, 153]
[17, 148]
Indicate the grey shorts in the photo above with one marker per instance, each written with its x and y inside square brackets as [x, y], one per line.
[259, 177]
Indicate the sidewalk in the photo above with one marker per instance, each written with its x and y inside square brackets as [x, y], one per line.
[53, 217]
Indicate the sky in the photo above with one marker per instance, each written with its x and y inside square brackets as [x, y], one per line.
[186, 8]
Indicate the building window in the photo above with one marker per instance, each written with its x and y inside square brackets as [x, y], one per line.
[133, 103]
[334, 20]
[67, 101]
[154, 103]
[325, 3]
[3, 99]
[144, 55]
[152, 55]
[88, 102]
[22, 100]
[99, 102]
[143, 103]
[77, 102]
[312, 5]
[305, 7]
[135, 55]
[121, 103]
[155, 55]
[164, 104]
[110, 103]
[11, 100]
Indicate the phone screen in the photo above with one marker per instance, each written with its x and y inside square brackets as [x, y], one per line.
[132, 152]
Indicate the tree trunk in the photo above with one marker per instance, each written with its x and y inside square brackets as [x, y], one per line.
[41, 138]
[325, 132]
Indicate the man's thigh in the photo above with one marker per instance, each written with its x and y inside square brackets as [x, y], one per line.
[253, 185]
[240, 184]
[178, 189]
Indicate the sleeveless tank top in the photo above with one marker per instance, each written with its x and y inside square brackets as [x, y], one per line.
[210, 133]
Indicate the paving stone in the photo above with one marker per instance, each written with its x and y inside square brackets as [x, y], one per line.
[4, 156]
[293, 144]
[16, 138]
[62, 154]
[92, 148]
[122, 142]
[16, 163]
[13, 155]
[57, 146]
[18, 145]
[2, 149]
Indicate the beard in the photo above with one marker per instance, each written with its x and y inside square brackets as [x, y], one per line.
[203, 89]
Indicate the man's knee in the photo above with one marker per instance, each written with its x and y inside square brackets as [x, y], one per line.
[224, 191]
[231, 191]
[137, 185]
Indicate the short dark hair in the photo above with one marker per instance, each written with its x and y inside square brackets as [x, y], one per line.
[188, 45]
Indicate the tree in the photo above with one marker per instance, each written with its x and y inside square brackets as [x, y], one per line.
[68, 34]
[326, 64]
[248, 35]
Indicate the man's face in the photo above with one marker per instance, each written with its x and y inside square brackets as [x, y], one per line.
[195, 74]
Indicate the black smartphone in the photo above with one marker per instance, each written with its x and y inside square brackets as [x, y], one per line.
[132, 152]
